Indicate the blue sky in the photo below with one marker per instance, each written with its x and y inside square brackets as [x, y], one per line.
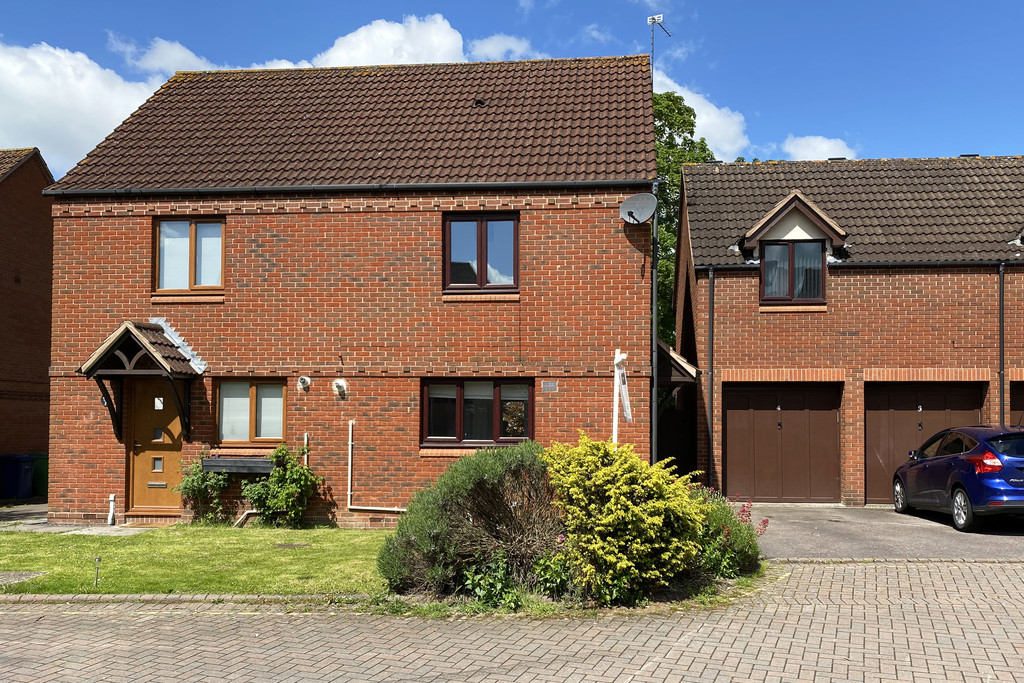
[780, 79]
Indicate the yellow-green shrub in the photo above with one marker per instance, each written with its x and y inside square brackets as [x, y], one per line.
[630, 526]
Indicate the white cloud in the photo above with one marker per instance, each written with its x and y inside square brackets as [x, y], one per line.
[526, 6]
[501, 46]
[594, 33]
[415, 40]
[816, 147]
[162, 56]
[62, 102]
[722, 128]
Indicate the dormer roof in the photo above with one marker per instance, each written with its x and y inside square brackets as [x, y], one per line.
[795, 201]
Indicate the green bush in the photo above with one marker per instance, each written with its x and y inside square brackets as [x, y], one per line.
[200, 491]
[281, 497]
[630, 526]
[493, 508]
[729, 543]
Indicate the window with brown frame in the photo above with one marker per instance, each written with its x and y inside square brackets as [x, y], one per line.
[481, 253]
[458, 412]
[251, 411]
[189, 256]
[793, 272]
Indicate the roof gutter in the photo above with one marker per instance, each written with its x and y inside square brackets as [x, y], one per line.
[876, 264]
[367, 187]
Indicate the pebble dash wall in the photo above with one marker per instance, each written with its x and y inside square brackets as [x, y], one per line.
[350, 286]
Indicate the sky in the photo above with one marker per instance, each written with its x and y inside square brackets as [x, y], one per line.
[768, 79]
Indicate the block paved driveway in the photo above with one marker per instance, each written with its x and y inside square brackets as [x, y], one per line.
[853, 621]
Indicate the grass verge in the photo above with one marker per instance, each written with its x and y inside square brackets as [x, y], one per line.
[196, 559]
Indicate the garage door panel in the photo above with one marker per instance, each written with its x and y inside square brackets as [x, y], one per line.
[790, 452]
[766, 467]
[795, 457]
[899, 417]
[739, 440]
[823, 439]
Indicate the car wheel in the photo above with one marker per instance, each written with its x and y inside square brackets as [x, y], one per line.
[963, 511]
[899, 496]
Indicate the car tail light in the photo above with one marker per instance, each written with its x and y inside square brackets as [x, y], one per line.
[986, 462]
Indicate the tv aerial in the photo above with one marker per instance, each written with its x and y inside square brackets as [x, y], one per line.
[638, 208]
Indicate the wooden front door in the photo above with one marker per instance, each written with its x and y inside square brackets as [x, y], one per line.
[154, 447]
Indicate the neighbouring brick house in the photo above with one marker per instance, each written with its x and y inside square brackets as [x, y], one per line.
[25, 279]
[843, 311]
[399, 264]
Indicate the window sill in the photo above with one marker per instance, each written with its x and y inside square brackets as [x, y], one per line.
[218, 451]
[479, 298]
[186, 299]
[782, 308]
[445, 452]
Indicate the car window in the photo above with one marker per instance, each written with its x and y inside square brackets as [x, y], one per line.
[953, 445]
[969, 443]
[1009, 444]
[930, 447]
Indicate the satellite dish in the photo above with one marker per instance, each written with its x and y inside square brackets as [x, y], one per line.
[639, 208]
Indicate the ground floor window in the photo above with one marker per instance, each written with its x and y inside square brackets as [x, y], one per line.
[251, 410]
[458, 411]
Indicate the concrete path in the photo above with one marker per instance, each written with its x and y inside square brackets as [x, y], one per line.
[895, 621]
[830, 532]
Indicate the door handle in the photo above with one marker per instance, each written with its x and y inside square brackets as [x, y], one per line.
[135, 447]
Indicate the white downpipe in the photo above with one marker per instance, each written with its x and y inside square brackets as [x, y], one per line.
[110, 513]
[362, 508]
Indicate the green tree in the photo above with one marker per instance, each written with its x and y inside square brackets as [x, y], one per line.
[674, 123]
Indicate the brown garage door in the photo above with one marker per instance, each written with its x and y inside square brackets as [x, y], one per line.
[782, 442]
[899, 417]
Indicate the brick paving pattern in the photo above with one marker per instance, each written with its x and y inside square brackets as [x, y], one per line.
[853, 621]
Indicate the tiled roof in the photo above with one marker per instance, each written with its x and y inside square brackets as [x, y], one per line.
[894, 210]
[161, 347]
[557, 120]
[10, 159]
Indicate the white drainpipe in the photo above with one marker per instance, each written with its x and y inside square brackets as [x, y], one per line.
[110, 514]
[351, 426]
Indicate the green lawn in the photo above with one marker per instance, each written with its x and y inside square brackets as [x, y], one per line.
[197, 559]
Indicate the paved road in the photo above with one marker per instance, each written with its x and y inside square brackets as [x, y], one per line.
[880, 621]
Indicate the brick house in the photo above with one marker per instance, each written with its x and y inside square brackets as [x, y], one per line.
[843, 311]
[25, 279]
[298, 255]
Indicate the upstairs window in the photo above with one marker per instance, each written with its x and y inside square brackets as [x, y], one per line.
[190, 256]
[472, 411]
[793, 272]
[481, 253]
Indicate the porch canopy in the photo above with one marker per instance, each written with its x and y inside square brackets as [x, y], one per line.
[143, 349]
[673, 369]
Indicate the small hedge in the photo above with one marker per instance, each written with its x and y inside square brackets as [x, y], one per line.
[492, 509]
[591, 522]
[630, 527]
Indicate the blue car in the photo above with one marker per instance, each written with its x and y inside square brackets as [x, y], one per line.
[969, 472]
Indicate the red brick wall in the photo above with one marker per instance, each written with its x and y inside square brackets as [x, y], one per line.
[895, 324]
[350, 287]
[25, 268]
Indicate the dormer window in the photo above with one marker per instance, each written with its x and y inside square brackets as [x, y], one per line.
[793, 271]
[793, 242]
